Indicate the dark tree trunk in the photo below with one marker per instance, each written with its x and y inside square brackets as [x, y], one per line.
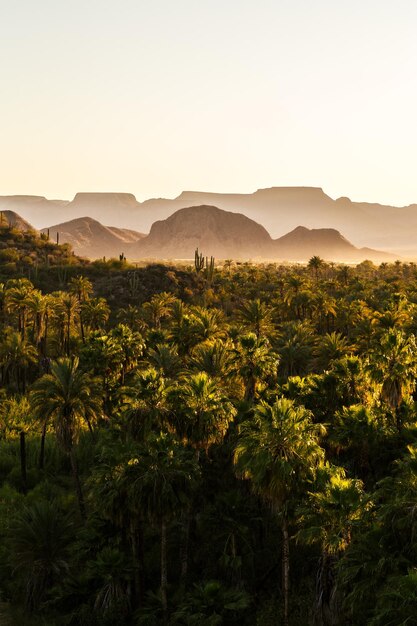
[285, 568]
[23, 461]
[185, 543]
[42, 450]
[137, 543]
[164, 569]
[80, 497]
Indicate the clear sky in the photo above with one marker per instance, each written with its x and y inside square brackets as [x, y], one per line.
[157, 96]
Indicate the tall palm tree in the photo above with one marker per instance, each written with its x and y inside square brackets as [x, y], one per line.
[257, 316]
[16, 355]
[17, 298]
[393, 364]
[69, 309]
[82, 288]
[39, 541]
[254, 361]
[70, 398]
[162, 478]
[277, 450]
[327, 518]
[330, 347]
[200, 413]
[316, 264]
[158, 308]
[145, 403]
[95, 313]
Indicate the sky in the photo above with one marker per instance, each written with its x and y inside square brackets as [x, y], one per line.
[154, 97]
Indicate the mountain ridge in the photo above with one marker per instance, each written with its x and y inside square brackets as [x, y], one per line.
[223, 234]
[278, 209]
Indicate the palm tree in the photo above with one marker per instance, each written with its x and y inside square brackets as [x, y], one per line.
[254, 361]
[200, 413]
[95, 313]
[16, 355]
[145, 403]
[331, 346]
[257, 316]
[393, 364]
[316, 264]
[327, 518]
[294, 346]
[165, 358]
[70, 398]
[207, 324]
[82, 288]
[69, 308]
[40, 537]
[277, 450]
[214, 357]
[159, 308]
[162, 478]
[17, 298]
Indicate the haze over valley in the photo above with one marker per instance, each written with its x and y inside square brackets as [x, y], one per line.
[83, 222]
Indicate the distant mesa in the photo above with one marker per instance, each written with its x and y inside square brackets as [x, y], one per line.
[279, 210]
[104, 200]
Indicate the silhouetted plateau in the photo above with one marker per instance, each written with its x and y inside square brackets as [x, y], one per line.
[216, 232]
[278, 209]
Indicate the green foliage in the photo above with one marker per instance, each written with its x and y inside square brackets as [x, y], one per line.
[212, 423]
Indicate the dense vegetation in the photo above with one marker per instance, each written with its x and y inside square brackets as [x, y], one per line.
[206, 445]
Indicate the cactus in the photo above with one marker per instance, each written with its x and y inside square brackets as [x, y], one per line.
[133, 279]
[210, 268]
[122, 257]
[57, 238]
[62, 275]
[198, 261]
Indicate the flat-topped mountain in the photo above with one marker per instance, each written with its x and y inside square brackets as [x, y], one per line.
[91, 239]
[278, 209]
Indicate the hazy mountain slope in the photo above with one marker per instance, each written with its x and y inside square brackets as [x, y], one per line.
[225, 234]
[10, 218]
[36, 209]
[215, 232]
[91, 239]
[302, 243]
[278, 209]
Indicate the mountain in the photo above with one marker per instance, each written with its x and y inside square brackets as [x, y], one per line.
[216, 232]
[36, 209]
[90, 238]
[10, 218]
[220, 233]
[303, 243]
[278, 209]
[225, 234]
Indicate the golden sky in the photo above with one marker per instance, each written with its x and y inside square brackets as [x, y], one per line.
[156, 96]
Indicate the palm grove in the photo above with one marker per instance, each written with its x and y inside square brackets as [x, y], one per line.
[205, 445]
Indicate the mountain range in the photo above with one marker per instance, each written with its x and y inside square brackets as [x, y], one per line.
[278, 209]
[216, 232]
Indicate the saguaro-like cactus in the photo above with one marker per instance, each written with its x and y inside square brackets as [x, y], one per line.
[210, 268]
[198, 261]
